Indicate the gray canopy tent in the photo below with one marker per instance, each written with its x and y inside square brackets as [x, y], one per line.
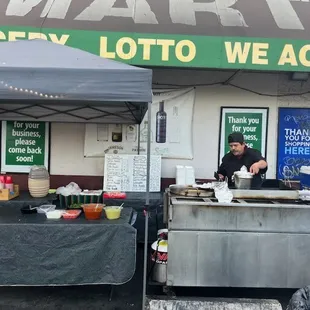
[43, 81]
[76, 86]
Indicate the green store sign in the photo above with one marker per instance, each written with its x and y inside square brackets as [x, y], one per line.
[251, 122]
[175, 50]
[24, 144]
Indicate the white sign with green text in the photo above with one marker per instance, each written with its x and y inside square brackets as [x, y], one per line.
[251, 122]
[24, 144]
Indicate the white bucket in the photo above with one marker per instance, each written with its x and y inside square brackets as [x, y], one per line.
[159, 257]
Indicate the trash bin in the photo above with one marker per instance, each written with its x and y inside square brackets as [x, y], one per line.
[300, 300]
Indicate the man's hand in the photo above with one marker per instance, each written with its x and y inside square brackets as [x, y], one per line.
[254, 169]
[221, 177]
[262, 164]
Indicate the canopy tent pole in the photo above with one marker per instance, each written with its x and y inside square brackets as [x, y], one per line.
[147, 203]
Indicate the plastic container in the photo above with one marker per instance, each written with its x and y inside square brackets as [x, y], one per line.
[67, 201]
[2, 181]
[185, 175]
[54, 215]
[162, 234]
[38, 181]
[304, 174]
[71, 214]
[114, 195]
[28, 210]
[93, 211]
[180, 175]
[8, 184]
[46, 208]
[113, 212]
[189, 175]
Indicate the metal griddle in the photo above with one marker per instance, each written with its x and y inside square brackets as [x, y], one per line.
[189, 191]
[263, 194]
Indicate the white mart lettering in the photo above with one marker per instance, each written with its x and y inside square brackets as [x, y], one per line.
[184, 12]
[181, 11]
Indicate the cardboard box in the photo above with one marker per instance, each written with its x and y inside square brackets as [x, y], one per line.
[6, 195]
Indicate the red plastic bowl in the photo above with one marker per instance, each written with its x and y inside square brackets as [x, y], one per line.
[71, 214]
[93, 211]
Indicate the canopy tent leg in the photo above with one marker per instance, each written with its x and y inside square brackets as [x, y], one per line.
[139, 139]
[147, 203]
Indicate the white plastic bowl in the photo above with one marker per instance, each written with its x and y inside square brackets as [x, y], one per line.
[54, 215]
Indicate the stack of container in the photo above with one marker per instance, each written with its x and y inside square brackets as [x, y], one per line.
[185, 175]
[38, 182]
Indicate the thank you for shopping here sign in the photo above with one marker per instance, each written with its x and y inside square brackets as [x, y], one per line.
[251, 122]
[293, 142]
[24, 144]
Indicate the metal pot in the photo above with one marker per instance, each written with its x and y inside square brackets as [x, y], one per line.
[243, 180]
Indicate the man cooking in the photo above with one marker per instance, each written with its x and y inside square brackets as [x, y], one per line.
[240, 155]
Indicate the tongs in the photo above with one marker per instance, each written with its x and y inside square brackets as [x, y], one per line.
[217, 177]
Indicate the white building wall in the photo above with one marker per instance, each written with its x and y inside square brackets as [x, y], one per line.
[67, 140]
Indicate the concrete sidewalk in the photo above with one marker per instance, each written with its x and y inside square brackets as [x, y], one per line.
[212, 304]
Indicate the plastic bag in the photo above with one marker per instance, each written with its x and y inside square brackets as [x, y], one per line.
[243, 172]
[244, 169]
[222, 192]
[71, 189]
[300, 300]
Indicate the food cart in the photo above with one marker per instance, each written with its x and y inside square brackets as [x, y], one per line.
[259, 240]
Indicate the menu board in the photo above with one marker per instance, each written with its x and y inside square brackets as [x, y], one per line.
[127, 173]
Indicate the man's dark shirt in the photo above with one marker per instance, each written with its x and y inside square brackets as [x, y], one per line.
[232, 163]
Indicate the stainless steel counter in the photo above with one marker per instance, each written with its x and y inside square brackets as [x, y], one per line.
[246, 243]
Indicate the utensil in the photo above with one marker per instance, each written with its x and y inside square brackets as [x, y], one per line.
[216, 176]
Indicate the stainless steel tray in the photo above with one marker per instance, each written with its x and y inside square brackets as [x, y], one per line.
[265, 194]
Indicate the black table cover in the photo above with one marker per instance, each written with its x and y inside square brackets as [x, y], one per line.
[38, 251]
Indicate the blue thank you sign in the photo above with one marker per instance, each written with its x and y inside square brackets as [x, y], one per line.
[293, 142]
